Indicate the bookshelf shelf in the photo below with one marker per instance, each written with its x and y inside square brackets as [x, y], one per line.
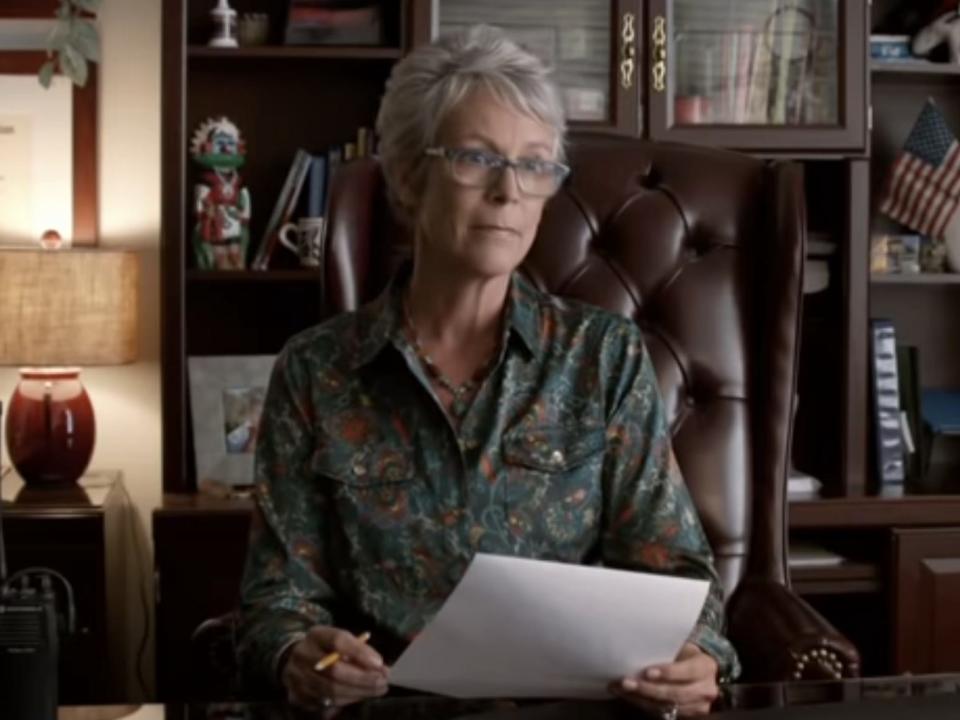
[252, 276]
[920, 279]
[848, 577]
[279, 52]
[875, 512]
[913, 67]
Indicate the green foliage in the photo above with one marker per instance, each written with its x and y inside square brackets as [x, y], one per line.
[73, 43]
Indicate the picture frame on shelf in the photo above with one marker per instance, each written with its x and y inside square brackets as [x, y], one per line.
[334, 22]
[226, 398]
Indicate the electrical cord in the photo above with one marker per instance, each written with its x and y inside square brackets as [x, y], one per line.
[141, 554]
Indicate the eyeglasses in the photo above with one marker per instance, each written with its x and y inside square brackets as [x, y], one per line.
[479, 168]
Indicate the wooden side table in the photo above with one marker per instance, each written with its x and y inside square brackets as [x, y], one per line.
[89, 533]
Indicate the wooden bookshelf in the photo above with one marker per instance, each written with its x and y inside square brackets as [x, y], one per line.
[252, 276]
[848, 577]
[916, 279]
[875, 512]
[913, 67]
[284, 98]
[275, 52]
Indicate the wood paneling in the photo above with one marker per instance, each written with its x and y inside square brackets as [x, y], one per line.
[926, 571]
[200, 548]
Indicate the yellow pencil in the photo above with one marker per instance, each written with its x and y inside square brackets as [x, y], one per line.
[331, 658]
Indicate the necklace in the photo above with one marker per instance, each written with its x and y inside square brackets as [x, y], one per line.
[462, 393]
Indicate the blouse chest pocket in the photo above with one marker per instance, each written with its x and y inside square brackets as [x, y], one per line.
[553, 449]
[553, 488]
[371, 488]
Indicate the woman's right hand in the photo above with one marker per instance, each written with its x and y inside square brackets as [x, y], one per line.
[359, 673]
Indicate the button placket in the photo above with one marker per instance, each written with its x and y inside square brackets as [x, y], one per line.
[359, 465]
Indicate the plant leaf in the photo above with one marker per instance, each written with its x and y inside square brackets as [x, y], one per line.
[46, 73]
[73, 64]
[58, 36]
[65, 11]
[83, 36]
[88, 5]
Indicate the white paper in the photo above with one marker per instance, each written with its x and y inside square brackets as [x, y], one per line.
[515, 627]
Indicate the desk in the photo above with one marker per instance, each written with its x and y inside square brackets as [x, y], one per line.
[933, 697]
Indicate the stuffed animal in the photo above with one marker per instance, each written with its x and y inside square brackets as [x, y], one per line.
[944, 29]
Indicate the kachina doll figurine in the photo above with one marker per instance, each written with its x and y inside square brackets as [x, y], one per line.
[221, 204]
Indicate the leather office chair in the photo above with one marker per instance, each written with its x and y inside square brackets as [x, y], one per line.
[704, 249]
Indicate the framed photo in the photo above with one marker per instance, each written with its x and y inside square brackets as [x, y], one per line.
[226, 399]
[333, 22]
[48, 138]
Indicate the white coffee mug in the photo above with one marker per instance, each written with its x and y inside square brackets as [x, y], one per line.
[307, 244]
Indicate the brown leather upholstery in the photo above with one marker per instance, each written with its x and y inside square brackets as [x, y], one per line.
[704, 249]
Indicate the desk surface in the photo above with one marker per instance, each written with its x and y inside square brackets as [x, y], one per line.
[932, 697]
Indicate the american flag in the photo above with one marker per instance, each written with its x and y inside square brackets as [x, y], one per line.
[923, 189]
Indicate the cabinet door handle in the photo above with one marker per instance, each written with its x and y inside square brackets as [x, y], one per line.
[628, 49]
[659, 54]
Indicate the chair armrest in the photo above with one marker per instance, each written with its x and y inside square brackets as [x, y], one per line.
[779, 637]
[214, 658]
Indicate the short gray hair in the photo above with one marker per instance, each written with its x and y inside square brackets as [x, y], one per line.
[429, 82]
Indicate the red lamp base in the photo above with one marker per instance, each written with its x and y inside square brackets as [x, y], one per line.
[50, 426]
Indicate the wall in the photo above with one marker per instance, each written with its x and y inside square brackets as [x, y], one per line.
[127, 399]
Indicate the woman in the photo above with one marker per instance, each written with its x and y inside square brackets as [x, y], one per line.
[462, 411]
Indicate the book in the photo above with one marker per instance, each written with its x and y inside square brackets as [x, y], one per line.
[941, 410]
[334, 158]
[888, 437]
[758, 91]
[282, 209]
[908, 375]
[941, 419]
[317, 186]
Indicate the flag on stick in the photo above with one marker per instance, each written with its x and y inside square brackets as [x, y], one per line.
[923, 188]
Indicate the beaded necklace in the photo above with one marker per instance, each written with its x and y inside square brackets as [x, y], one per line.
[462, 393]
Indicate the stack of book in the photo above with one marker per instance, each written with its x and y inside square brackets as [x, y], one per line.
[304, 192]
[906, 417]
[333, 22]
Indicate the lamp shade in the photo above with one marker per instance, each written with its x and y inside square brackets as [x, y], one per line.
[68, 307]
[60, 309]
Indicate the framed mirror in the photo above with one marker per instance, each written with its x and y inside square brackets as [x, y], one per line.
[48, 137]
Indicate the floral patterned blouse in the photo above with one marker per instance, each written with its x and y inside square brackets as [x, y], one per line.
[370, 504]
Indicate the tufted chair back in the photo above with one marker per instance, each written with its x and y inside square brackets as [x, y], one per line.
[703, 248]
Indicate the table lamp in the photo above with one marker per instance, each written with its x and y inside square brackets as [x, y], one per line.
[61, 309]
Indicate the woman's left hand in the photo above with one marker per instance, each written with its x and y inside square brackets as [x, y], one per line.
[684, 688]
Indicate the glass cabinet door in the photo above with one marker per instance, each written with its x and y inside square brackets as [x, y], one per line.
[591, 44]
[772, 74]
